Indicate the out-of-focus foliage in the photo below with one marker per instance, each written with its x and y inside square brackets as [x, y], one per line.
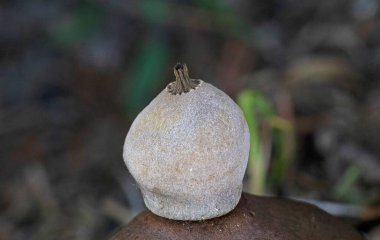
[267, 130]
[153, 55]
[82, 24]
[257, 112]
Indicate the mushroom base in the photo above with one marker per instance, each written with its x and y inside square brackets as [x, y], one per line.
[204, 205]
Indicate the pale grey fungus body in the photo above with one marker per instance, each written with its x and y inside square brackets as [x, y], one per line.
[188, 151]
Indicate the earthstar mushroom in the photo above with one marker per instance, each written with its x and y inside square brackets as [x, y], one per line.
[188, 150]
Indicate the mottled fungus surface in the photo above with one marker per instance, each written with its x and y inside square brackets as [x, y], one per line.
[188, 150]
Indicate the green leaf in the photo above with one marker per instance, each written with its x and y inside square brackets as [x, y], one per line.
[344, 186]
[83, 24]
[145, 74]
[256, 109]
[226, 19]
[153, 11]
[284, 149]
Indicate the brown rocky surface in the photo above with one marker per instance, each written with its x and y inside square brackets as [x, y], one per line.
[260, 218]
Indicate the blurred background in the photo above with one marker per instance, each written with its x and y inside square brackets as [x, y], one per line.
[75, 73]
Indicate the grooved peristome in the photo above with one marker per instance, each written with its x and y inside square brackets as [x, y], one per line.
[183, 83]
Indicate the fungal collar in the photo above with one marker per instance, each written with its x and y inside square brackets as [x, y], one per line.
[183, 83]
